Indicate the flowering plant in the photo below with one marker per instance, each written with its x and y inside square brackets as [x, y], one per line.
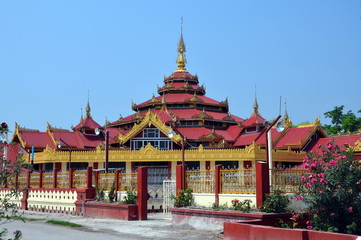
[332, 187]
[244, 206]
[275, 202]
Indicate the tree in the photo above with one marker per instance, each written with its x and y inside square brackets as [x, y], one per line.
[8, 172]
[342, 123]
[332, 188]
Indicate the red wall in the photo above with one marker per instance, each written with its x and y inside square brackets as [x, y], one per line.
[91, 209]
[251, 230]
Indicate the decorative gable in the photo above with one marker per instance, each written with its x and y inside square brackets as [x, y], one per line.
[150, 119]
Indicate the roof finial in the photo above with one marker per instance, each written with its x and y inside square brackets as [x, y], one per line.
[181, 60]
[87, 109]
[81, 114]
[255, 104]
[286, 117]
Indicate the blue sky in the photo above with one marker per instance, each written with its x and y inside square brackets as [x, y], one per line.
[53, 52]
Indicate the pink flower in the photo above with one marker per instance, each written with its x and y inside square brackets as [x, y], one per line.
[343, 157]
[350, 209]
[307, 166]
[314, 180]
[329, 145]
[313, 165]
[333, 162]
[299, 198]
[303, 178]
[323, 181]
[321, 191]
[309, 227]
[308, 185]
[318, 145]
[321, 175]
[338, 186]
[311, 176]
[308, 222]
[331, 214]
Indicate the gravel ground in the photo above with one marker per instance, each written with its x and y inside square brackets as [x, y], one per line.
[96, 228]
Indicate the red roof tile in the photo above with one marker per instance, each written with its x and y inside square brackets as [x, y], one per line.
[181, 98]
[37, 139]
[294, 137]
[87, 122]
[338, 140]
[234, 131]
[173, 85]
[246, 139]
[254, 121]
[274, 134]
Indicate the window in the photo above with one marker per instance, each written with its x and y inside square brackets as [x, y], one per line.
[150, 133]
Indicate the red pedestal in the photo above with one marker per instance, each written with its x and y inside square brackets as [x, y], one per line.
[142, 193]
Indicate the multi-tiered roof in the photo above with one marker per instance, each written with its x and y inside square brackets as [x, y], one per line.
[182, 105]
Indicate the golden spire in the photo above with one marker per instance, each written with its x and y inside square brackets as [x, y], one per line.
[87, 109]
[181, 60]
[255, 108]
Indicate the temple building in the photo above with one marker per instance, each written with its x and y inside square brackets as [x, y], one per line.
[181, 123]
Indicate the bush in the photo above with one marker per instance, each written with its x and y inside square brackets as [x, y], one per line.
[275, 202]
[111, 194]
[130, 198]
[333, 189]
[183, 199]
[244, 206]
[100, 195]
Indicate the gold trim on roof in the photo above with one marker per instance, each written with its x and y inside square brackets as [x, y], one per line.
[149, 119]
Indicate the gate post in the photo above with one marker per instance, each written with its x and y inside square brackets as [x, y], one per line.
[180, 178]
[117, 172]
[142, 193]
[262, 182]
[55, 176]
[217, 183]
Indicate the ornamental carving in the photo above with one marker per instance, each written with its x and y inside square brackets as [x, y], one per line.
[149, 149]
[229, 118]
[137, 116]
[149, 119]
[202, 115]
[212, 136]
[250, 153]
[154, 100]
[194, 99]
[121, 119]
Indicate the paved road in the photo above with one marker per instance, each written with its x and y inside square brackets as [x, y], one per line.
[105, 229]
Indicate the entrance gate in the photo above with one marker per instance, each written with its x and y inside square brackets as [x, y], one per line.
[169, 189]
